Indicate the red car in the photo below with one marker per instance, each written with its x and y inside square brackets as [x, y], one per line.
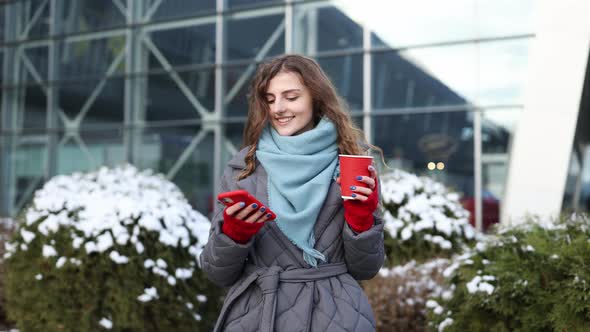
[490, 209]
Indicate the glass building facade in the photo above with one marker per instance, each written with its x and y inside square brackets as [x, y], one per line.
[162, 84]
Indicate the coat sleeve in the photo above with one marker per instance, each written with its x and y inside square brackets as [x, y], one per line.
[364, 252]
[222, 258]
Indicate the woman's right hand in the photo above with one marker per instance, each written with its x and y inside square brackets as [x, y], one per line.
[250, 214]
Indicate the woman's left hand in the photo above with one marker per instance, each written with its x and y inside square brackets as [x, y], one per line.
[362, 193]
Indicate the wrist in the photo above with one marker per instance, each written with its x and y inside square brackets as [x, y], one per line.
[359, 214]
[239, 230]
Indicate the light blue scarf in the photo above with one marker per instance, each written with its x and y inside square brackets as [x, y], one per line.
[300, 169]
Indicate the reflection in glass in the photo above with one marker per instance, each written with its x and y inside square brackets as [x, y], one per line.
[92, 58]
[505, 17]
[358, 121]
[237, 84]
[395, 24]
[33, 16]
[324, 28]
[346, 73]
[184, 46]
[255, 37]
[90, 15]
[498, 126]
[238, 4]
[574, 171]
[234, 133]
[423, 77]
[2, 9]
[34, 113]
[584, 203]
[89, 150]
[1, 62]
[502, 68]
[30, 158]
[172, 151]
[95, 103]
[35, 65]
[170, 99]
[411, 141]
[179, 8]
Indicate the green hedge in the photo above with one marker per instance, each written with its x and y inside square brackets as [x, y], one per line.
[112, 250]
[534, 277]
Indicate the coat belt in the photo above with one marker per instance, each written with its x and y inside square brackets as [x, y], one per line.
[268, 280]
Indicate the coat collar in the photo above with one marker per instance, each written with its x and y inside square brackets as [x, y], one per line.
[257, 184]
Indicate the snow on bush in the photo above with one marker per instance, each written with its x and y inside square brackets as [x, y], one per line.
[124, 242]
[530, 277]
[423, 219]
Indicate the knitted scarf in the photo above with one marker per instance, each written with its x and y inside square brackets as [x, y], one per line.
[300, 169]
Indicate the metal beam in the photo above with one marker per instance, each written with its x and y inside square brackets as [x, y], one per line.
[367, 85]
[219, 129]
[9, 114]
[152, 10]
[477, 168]
[272, 39]
[25, 33]
[133, 64]
[53, 110]
[289, 17]
[99, 87]
[186, 154]
[120, 6]
[186, 91]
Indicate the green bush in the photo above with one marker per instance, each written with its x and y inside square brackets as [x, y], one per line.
[423, 219]
[112, 250]
[532, 277]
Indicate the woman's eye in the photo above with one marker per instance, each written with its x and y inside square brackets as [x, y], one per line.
[292, 98]
[270, 101]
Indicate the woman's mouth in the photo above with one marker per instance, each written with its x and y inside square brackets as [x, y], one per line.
[284, 120]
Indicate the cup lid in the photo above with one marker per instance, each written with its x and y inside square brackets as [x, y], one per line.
[354, 156]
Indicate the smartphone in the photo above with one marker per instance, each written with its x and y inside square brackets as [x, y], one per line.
[232, 197]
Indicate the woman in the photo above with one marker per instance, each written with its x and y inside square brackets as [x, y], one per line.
[296, 273]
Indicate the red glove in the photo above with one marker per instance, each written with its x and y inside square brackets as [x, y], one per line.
[239, 230]
[359, 214]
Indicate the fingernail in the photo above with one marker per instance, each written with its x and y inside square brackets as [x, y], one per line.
[254, 206]
[269, 215]
[262, 209]
[353, 195]
[352, 187]
[242, 204]
[359, 177]
[371, 168]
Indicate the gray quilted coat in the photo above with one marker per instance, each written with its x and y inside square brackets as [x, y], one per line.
[272, 288]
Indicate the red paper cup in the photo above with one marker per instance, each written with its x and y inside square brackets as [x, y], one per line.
[351, 167]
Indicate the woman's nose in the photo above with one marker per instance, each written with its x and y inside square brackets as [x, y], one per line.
[279, 106]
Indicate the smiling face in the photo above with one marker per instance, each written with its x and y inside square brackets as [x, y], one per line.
[290, 104]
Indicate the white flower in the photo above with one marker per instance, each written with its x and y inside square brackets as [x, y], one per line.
[27, 236]
[49, 251]
[60, 262]
[118, 258]
[106, 323]
[444, 324]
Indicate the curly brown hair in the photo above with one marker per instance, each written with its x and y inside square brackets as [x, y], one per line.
[326, 103]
